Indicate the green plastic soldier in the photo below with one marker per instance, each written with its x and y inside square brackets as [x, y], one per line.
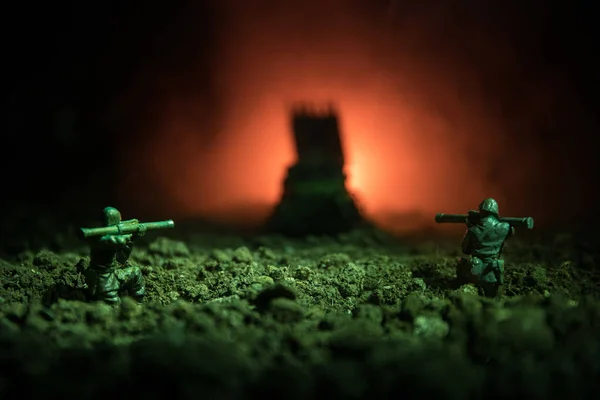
[483, 243]
[110, 273]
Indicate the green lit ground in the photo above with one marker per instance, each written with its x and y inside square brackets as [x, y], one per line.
[362, 316]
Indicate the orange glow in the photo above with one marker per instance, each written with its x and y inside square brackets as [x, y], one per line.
[417, 132]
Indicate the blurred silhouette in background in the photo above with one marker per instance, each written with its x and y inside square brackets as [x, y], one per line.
[315, 199]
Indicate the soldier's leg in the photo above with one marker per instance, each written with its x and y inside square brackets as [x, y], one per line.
[133, 281]
[107, 287]
[90, 277]
[492, 277]
[463, 271]
[491, 289]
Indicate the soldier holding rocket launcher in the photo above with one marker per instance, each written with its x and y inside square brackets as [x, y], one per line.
[110, 273]
[483, 243]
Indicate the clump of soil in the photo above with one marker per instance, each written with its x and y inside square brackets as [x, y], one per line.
[352, 317]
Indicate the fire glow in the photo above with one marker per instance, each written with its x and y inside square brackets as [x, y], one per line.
[417, 133]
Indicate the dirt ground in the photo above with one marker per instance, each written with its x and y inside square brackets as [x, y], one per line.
[362, 315]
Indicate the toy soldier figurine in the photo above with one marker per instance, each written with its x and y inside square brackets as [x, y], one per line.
[110, 273]
[483, 242]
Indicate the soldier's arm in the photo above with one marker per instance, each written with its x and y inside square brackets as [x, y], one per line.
[138, 234]
[114, 241]
[467, 242]
[509, 229]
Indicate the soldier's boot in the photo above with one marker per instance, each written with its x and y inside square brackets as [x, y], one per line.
[491, 290]
[500, 291]
[463, 272]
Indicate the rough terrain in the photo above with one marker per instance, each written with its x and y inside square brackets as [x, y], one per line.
[363, 315]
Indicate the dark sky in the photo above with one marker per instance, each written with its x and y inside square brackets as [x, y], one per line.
[150, 105]
[70, 66]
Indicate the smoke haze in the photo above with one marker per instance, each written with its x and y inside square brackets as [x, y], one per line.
[440, 107]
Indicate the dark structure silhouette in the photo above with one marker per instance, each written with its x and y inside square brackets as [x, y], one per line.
[315, 200]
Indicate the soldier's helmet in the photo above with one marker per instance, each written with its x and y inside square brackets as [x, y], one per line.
[489, 206]
[111, 216]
